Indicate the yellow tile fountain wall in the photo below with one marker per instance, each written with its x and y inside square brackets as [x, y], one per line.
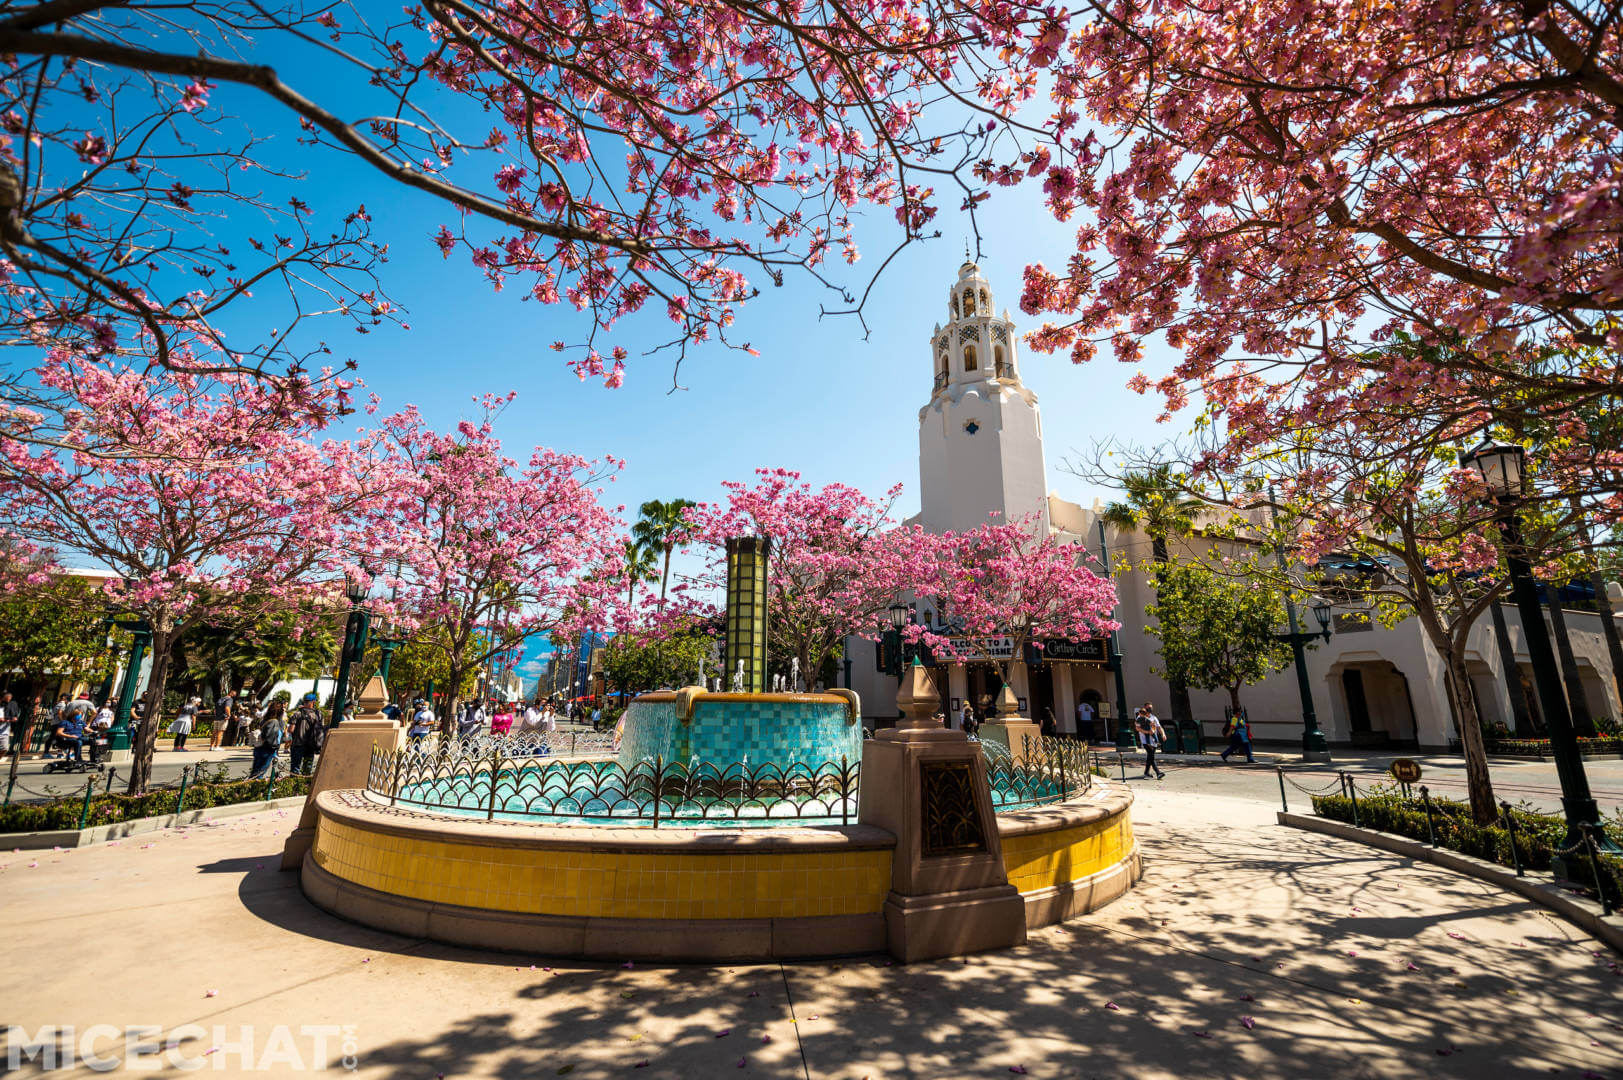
[1043, 859]
[607, 883]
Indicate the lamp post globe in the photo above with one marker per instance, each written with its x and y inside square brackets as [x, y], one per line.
[1502, 466]
[1321, 611]
[897, 613]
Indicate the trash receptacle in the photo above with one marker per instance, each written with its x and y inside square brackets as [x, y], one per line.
[1192, 741]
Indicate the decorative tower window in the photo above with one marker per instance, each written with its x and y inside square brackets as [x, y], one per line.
[971, 361]
[954, 306]
[986, 304]
[972, 425]
[969, 302]
[1000, 332]
[999, 364]
[969, 333]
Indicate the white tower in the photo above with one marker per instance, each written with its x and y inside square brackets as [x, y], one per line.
[981, 436]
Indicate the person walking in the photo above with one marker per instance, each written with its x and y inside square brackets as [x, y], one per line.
[1239, 733]
[307, 735]
[268, 739]
[182, 726]
[1150, 736]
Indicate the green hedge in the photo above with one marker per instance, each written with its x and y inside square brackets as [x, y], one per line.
[1537, 835]
[110, 809]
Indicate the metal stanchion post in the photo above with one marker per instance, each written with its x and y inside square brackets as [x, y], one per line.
[84, 811]
[180, 803]
[1283, 805]
[1510, 828]
[1352, 790]
[1431, 832]
[1594, 869]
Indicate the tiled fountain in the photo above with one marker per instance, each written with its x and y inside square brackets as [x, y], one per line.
[906, 841]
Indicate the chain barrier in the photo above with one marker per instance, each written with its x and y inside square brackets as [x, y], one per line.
[1587, 846]
[1337, 783]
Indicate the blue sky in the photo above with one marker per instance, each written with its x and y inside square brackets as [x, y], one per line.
[819, 398]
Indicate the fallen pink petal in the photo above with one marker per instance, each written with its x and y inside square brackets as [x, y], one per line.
[1247, 1022]
[723, 1033]
[1018, 1070]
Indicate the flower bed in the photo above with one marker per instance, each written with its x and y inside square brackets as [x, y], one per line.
[1540, 748]
[1537, 835]
[110, 809]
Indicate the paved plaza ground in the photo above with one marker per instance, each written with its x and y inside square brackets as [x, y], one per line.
[1248, 950]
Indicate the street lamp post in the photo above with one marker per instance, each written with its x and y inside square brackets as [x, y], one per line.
[1502, 468]
[118, 738]
[355, 629]
[1315, 747]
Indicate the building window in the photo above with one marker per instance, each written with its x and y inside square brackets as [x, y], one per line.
[969, 302]
[972, 426]
[954, 306]
[999, 364]
[971, 361]
[986, 304]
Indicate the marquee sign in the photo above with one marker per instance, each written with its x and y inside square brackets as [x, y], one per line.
[1092, 651]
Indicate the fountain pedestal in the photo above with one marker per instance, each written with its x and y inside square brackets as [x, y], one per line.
[927, 785]
[346, 756]
[1010, 729]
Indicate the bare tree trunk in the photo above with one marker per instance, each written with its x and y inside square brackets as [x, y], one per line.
[1234, 699]
[146, 736]
[1483, 808]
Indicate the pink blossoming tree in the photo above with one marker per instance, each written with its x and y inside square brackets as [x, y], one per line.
[1004, 581]
[1269, 188]
[639, 155]
[207, 498]
[838, 558]
[488, 549]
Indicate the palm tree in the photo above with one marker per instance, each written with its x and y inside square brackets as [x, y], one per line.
[639, 567]
[661, 526]
[1157, 504]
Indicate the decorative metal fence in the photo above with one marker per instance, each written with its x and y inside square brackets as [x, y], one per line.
[1053, 770]
[497, 783]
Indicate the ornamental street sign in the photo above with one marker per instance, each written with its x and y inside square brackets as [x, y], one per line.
[1406, 770]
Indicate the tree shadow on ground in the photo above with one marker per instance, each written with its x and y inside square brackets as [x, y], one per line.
[1347, 962]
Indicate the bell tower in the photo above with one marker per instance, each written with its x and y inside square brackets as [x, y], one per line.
[981, 435]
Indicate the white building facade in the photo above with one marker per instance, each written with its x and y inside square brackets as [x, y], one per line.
[981, 458]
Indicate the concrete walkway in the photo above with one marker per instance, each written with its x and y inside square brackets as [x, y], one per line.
[1346, 962]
